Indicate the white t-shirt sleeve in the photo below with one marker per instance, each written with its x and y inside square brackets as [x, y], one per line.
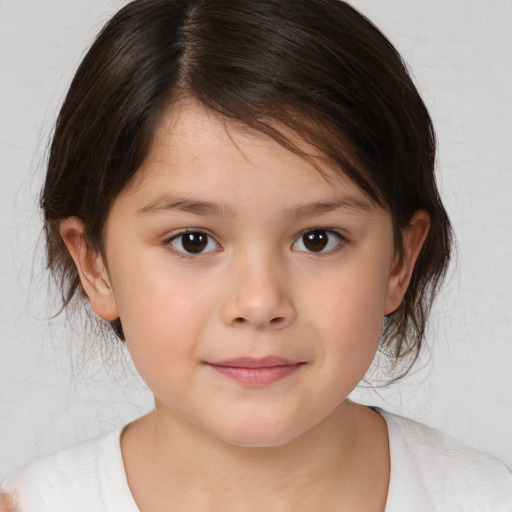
[88, 477]
[431, 472]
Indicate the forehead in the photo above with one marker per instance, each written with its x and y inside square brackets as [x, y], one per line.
[192, 138]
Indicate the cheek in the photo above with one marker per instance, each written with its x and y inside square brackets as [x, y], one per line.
[164, 317]
[352, 302]
[351, 309]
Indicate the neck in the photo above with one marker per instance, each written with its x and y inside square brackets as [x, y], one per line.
[164, 451]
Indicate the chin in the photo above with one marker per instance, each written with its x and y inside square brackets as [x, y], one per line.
[259, 434]
[259, 441]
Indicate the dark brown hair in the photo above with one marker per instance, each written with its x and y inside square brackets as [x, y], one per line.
[316, 66]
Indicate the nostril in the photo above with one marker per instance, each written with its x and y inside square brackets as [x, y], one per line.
[275, 322]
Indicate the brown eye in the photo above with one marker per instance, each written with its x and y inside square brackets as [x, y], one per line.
[194, 242]
[317, 240]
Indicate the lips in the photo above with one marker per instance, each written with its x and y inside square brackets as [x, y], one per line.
[257, 371]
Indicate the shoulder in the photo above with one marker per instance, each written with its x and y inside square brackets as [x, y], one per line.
[69, 479]
[431, 470]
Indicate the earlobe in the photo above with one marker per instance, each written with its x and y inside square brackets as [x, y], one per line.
[91, 269]
[413, 238]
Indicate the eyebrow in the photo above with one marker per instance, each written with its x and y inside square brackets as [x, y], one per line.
[320, 207]
[203, 208]
[197, 207]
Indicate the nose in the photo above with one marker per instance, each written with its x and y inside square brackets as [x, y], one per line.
[259, 297]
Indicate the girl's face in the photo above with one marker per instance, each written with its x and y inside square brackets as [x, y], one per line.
[251, 290]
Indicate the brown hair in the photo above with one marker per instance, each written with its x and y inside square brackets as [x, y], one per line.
[316, 66]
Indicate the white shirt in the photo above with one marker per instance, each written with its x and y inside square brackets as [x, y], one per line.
[430, 472]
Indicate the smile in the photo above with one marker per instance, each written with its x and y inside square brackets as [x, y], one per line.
[256, 372]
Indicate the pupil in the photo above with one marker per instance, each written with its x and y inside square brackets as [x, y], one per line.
[315, 240]
[194, 242]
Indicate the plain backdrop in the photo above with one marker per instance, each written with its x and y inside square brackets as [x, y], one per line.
[59, 386]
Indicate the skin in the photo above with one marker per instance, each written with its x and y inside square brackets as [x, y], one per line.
[7, 504]
[257, 290]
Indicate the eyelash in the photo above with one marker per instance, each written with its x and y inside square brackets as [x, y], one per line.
[323, 242]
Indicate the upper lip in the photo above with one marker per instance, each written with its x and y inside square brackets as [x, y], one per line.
[254, 362]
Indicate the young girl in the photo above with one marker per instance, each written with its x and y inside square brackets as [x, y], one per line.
[244, 191]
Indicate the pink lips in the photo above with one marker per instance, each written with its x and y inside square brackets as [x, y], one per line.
[256, 372]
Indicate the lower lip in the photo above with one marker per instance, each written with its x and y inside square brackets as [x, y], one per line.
[257, 376]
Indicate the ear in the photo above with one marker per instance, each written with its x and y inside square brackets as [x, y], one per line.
[413, 238]
[91, 269]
